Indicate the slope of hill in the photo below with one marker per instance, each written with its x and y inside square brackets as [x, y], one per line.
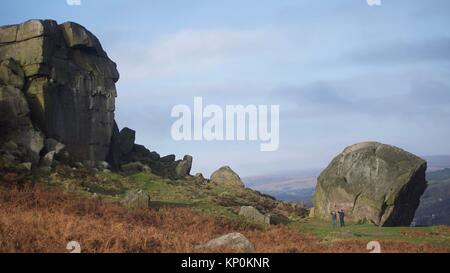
[42, 212]
[293, 186]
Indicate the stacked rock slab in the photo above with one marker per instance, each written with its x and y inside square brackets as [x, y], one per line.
[372, 182]
[68, 83]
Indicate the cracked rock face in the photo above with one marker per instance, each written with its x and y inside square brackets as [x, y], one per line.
[68, 83]
[372, 182]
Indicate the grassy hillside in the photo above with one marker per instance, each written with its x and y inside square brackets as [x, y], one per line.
[42, 212]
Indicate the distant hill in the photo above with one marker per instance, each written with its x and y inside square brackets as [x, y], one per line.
[437, 162]
[292, 186]
[437, 176]
[434, 208]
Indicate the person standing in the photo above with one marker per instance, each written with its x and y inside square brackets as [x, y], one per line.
[342, 218]
[333, 218]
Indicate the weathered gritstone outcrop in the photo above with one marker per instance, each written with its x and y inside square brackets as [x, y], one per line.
[372, 182]
[57, 84]
[68, 82]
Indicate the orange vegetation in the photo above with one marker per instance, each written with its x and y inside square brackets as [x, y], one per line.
[37, 218]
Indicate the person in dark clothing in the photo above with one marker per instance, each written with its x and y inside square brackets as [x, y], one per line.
[333, 218]
[342, 218]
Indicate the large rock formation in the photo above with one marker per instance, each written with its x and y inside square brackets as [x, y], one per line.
[68, 82]
[57, 85]
[372, 182]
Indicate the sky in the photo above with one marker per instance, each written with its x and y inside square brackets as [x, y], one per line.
[342, 71]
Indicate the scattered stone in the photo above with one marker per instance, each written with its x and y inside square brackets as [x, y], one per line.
[226, 176]
[78, 165]
[47, 160]
[253, 215]
[26, 166]
[136, 199]
[277, 219]
[236, 241]
[102, 165]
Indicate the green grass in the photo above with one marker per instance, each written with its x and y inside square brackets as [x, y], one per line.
[367, 232]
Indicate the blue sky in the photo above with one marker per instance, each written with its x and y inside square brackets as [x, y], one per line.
[341, 71]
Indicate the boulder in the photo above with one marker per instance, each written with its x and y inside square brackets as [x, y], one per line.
[136, 199]
[183, 167]
[127, 139]
[277, 219]
[78, 165]
[253, 215]
[235, 241]
[372, 182]
[102, 165]
[47, 160]
[226, 176]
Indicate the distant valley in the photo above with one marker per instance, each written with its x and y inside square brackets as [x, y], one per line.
[299, 186]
